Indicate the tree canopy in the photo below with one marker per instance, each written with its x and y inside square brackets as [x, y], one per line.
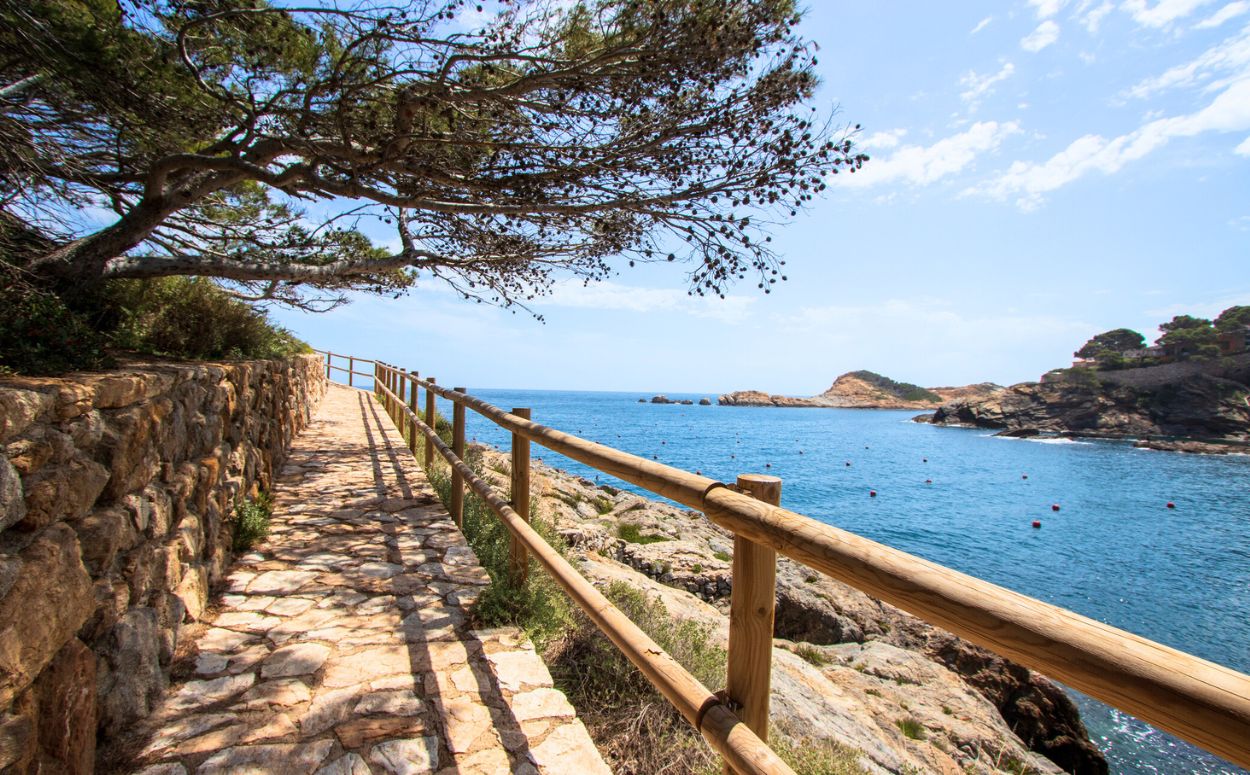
[254, 143]
[1117, 340]
[1191, 336]
[1233, 318]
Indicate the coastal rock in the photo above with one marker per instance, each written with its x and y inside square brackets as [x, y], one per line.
[1193, 407]
[864, 390]
[685, 560]
[705, 402]
[662, 399]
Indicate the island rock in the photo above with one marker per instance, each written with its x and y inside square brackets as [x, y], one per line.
[865, 390]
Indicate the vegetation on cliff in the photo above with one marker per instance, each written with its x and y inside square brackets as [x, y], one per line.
[1184, 338]
[904, 390]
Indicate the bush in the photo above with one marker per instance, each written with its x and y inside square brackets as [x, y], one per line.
[911, 728]
[39, 334]
[811, 654]
[251, 521]
[52, 330]
[633, 534]
[192, 317]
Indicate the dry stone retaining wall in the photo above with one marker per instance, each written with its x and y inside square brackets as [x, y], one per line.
[115, 494]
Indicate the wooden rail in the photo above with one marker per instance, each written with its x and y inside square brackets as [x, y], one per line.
[1199, 701]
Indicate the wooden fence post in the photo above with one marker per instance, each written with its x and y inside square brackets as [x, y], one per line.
[328, 353]
[412, 424]
[518, 558]
[431, 419]
[457, 446]
[351, 369]
[377, 369]
[751, 610]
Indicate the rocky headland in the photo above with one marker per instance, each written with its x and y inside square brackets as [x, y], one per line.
[909, 696]
[864, 390]
[1193, 407]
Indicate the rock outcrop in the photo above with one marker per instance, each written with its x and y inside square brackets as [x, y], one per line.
[864, 390]
[846, 666]
[1197, 406]
[115, 494]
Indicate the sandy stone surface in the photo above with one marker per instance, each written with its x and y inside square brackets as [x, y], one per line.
[342, 643]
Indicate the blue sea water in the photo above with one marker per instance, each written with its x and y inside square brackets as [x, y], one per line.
[1114, 552]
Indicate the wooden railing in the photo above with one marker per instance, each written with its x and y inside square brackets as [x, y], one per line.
[1199, 701]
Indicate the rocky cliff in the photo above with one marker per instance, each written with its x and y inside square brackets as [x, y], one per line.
[864, 390]
[909, 696]
[1211, 406]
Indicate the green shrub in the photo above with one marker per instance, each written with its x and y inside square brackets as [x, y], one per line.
[251, 521]
[633, 534]
[192, 317]
[722, 556]
[811, 654]
[40, 334]
[538, 606]
[911, 728]
[52, 330]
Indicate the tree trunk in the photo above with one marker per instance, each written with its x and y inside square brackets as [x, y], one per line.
[84, 259]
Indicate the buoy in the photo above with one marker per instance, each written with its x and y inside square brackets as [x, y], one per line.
[872, 493]
[800, 452]
[1037, 523]
[926, 459]
[768, 465]
[928, 481]
[1024, 476]
[1054, 507]
[848, 464]
[1171, 505]
[733, 457]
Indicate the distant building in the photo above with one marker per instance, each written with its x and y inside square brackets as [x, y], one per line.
[1234, 342]
[1085, 363]
[1146, 352]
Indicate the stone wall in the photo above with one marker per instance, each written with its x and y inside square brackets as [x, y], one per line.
[116, 491]
[1234, 367]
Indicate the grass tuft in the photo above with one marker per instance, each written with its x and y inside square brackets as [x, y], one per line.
[811, 654]
[633, 534]
[911, 728]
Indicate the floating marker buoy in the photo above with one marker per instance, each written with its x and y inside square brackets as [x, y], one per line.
[1171, 505]
[733, 457]
[768, 465]
[655, 457]
[1037, 523]
[1054, 507]
[800, 452]
[848, 464]
[925, 459]
[928, 481]
[1024, 476]
[872, 493]
[865, 446]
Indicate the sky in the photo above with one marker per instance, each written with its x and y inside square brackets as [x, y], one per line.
[1041, 171]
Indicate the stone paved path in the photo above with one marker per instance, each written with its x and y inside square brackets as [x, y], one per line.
[341, 646]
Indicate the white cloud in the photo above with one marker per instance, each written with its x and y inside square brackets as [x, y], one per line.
[977, 87]
[1046, 33]
[1230, 11]
[933, 336]
[1162, 13]
[1093, 19]
[615, 296]
[889, 138]
[1030, 181]
[921, 165]
[1244, 148]
[981, 25]
[1231, 55]
[1047, 8]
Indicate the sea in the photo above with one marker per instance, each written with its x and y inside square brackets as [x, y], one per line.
[1113, 552]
